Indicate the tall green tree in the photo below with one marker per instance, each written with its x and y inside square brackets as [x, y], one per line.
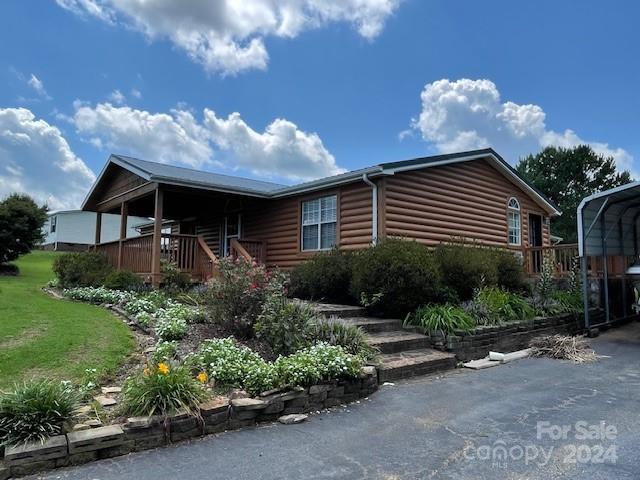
[21, 221]
[566, 176]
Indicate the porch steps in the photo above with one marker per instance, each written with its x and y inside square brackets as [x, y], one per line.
[403, 354]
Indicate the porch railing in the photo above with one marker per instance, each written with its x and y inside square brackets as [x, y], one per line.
[561, 255]
[248, 249]
[189, 253]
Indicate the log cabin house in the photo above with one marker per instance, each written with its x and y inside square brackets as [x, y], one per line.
[201, 216]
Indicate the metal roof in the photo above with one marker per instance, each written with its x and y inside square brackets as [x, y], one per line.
[608, 220]
[162, 173]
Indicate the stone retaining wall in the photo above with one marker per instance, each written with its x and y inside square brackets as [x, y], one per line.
[509, 337]
[215, 416]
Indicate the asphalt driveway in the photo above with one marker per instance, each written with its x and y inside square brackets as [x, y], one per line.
[531, 419]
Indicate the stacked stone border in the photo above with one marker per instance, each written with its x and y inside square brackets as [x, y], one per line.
[512, 336]
[218, 415]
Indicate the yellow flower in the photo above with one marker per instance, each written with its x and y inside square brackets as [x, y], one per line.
[163, 368]
[147, 372]
[203, 377]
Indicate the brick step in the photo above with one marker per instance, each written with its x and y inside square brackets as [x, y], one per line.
[412, 363]
[397, 341]
[373, 325]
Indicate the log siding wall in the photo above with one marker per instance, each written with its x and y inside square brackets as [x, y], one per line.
[467, 200]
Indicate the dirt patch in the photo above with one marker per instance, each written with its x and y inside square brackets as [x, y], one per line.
[22, 338]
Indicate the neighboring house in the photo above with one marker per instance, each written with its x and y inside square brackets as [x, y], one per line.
[200, 215]
[74, 230]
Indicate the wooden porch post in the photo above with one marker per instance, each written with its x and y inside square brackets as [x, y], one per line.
[98, 227]
[124, 212]
[157, 238]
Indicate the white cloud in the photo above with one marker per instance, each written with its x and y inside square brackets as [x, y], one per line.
[227, 36]
[117, 97]
[468, 114]
[35, 83]
[36, 159]
[177, 137]
[135, 93]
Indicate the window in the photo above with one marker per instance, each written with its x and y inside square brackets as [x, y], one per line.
[319, 222]
[54, 223]
[513, 222]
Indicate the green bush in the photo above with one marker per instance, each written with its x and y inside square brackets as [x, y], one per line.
[97, 295]
[81, 269]
[164, 352]
[174, 279]
[123, 280]
[236, 296]
[503, 306]
[350, 337]
[509, 270]
[395, 277]
[442, 318]
[36, 410]
[162, 389]
[326, 276]
[465, 267]
[9, 270]
[285, 325]
[319, 363]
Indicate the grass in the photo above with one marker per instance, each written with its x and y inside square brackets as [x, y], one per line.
[42, 337]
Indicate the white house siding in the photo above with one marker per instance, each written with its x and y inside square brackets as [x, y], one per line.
[78, 227]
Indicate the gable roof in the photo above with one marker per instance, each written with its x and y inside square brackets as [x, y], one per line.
[168, 174]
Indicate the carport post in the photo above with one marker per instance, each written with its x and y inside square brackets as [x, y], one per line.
[605, 269]
[584, 266]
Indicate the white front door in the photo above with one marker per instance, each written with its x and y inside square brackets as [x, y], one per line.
[232, 229]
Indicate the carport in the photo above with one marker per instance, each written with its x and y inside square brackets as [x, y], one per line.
[608, 247]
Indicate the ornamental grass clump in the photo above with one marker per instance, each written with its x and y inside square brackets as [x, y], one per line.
[350, 337]
[286, 326]
[441, 318]
[36, 410]
[503, 306]
[164, 389]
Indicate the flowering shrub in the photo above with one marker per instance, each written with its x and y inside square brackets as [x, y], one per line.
[235, 298]
[145, 319]
[178, 311]
[164, 352]
[139, 305]
[226, 362]
[171, 328]
[320, 362]
[163, 389]
[36, 410]
[97, 295]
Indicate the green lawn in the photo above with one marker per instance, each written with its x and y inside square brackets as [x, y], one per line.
[48, 338]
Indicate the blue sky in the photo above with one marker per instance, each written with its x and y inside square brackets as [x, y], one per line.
[316, 92]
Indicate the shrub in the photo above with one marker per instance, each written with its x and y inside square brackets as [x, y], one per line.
[21, 221]
[226, 362]
[509, 270]
[97, 295]
[465, 267]
[171, 328]
[326, 276]
[81, 269]
[163, 389]
[401, 273]
[503, 306]
[174, 279]
[178, 311]
[236, 296]
[321, 362]
[36, 410]
[123, 280]
[9, 269]
[350, 337]
[148, 303]
[164, 352]
[284, 325]
[442, 318]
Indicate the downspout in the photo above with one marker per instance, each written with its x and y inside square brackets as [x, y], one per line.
[374, 208]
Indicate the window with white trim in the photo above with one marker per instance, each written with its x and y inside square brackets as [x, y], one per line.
[514, 227]
[319, 223]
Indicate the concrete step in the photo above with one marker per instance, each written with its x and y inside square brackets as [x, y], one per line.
[411, 363]
[397, 341]
[372, 324]
[335, 310]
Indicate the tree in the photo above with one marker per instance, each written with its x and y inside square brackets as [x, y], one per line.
[566, 176]
[21, 221]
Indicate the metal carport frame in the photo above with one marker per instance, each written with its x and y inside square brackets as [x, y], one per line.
[608, 227]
